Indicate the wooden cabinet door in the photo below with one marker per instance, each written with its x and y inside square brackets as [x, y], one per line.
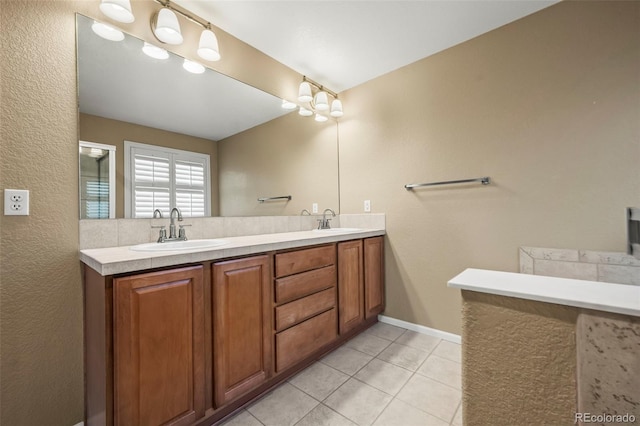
[350, 285]
[242, 331]
[159, 348]
[373, 276]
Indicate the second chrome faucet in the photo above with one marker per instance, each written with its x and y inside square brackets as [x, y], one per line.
[324, 222]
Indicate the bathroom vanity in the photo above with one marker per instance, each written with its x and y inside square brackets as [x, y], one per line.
[188, 337]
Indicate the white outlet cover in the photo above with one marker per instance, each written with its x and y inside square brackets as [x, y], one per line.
[367, 206]
[16, 202]
[314, 207]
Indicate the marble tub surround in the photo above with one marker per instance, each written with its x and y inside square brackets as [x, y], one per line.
[608, 347]
[126, 232]
[120, 259]
[612, 267]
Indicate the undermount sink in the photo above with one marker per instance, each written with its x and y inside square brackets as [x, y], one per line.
[179, 245]
[338, 230]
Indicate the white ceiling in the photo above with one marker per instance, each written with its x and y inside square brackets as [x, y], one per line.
[342, 44]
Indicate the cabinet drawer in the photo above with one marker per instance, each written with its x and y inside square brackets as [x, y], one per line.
[297, 286]
[295, 312]
[300, 341]
[304, 260]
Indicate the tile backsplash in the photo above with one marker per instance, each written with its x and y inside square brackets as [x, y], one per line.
[613, 267]
[124, 232]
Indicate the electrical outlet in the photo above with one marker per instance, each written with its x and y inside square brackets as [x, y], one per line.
[314, 208]
[367, 206]
[16, 202]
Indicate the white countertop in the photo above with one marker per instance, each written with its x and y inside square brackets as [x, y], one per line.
[119, 260]
[608, 297]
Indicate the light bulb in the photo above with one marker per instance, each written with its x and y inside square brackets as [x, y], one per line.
[305, 112]
[336, 108]
[154, 51]
[208, 46]
[304, 92]
[166, 27]
[321, 101]
[288, 105]
[118, 10]
[193, 67]
[107, 32]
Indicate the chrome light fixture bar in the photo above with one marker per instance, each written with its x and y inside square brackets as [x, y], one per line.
[164, 25]
[208, 45]
[315, 101]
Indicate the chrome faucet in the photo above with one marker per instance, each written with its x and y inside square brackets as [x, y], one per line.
[175, 212]
[305, 211]
[157, 214]
[182, 235]
[324, 222]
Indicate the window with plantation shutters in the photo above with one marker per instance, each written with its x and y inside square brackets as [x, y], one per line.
[163, 178]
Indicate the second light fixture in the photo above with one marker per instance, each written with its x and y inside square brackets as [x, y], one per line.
[316, 100]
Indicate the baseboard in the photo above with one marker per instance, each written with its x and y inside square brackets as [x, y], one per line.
[421, 329]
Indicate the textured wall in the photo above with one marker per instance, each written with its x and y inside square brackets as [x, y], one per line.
[41, 363]
[290, 155]
[546, 106]
[518, 361]
[41, 296]
[114, 132]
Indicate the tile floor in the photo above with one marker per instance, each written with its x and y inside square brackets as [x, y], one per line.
[386, 376]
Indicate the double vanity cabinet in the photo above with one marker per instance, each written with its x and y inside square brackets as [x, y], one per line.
[191, 343]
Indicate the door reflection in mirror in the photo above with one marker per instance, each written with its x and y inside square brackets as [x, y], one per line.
[97, 181]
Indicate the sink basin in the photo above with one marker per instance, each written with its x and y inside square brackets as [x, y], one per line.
[179, 245]
[330, 230]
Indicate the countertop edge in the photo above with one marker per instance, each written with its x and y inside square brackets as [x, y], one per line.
[120, 260]
[608, 297]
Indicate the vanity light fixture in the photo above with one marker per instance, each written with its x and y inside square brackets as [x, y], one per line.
[154, 51]
[315, 100]
[193, 67]
[305, 112]
[288, 105]
[118, 10]
[107, 32]
[166, 27]
[208, 46]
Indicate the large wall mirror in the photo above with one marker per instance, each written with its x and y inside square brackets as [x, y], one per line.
[163, 120]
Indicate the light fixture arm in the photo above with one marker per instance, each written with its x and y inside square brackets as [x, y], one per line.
[318, 86]
[184, 13]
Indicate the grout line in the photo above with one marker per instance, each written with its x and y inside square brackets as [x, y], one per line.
[257, 419]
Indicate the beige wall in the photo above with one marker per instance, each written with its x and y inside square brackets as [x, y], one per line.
[290, 155]
[41, 364]
[113, 132]
[548, 107]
